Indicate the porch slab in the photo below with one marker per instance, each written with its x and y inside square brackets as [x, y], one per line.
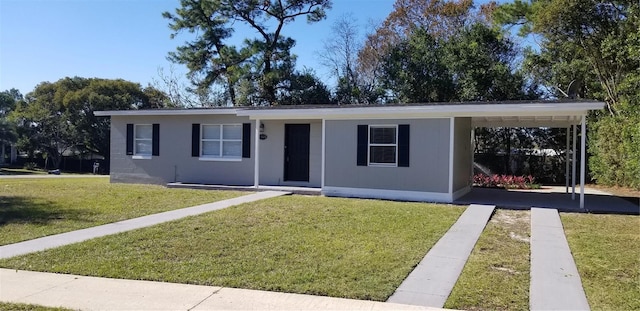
[290, 189]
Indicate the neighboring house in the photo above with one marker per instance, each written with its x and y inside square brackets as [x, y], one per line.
[419, 152]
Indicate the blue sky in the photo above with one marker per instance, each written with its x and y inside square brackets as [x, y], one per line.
[46, 40]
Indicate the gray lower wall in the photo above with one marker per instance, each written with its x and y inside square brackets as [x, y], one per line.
[272, 153]
[462, 153]
[429, 158]
[175, 162]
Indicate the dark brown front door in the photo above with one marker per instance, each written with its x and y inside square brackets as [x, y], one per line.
[296, 152]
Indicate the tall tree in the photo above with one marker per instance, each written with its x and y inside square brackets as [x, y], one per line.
[590, 49]
[58, 116]
[8, 101]
[211, 58]
[414, 70]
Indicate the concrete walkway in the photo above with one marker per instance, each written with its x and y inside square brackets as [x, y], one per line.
[57, 240]
[91, 293]
[555, 282]
[431, 282]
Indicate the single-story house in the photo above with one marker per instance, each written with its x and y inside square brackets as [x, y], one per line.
[415, 152]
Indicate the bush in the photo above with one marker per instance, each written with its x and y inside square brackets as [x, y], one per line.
[505, 181]
[615, 147]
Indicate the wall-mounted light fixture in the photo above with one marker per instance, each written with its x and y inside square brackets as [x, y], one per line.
[263, 136]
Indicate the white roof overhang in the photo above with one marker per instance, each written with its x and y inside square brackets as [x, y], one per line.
[166, 112]
[520, 114]
[535, 114]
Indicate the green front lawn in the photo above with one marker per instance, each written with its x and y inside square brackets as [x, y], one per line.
[496, 276]
[349, 248]
[606, 249]
[33, 208]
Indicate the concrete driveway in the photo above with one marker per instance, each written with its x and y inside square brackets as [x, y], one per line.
[595, 201]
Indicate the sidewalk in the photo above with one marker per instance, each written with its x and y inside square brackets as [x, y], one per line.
[555, 282]
[45, 176]
[66, 238]
[432, 281]
[91, 293]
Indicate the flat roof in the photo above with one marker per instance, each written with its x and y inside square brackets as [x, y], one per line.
[521, 113]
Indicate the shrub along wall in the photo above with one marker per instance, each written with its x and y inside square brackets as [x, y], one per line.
[615, 147]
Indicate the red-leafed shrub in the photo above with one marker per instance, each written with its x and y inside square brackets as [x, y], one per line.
[505, 181]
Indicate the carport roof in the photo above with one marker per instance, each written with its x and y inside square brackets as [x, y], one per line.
[537, 113]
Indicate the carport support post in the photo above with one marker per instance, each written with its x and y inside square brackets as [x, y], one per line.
[583, 153]
[566, 159]
[573, 164]
[256, 148]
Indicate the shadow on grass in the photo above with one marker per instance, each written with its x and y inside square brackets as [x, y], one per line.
[24, 210]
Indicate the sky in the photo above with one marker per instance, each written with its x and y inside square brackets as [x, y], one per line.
[47, 40]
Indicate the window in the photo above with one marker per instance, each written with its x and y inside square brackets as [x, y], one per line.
[143, 141]
[383, 145]
[221, 141]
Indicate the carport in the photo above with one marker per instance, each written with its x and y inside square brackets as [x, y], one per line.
[558, 114]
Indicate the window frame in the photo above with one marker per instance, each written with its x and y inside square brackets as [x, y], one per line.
[369, 145]
[221, 140]
[137, 154]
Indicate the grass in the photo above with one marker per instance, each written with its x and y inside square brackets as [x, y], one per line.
[496, 276]
[32, 208]
[8, 306]
[348, 248]
[606, 249]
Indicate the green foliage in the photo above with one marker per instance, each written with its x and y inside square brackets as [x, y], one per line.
[59, 116]
[589, 49]
[265, 61]
[615, 145]
[306, 88]
[473, 65]
[415, 71]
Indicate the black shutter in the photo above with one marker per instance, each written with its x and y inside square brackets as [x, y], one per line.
[403, 145]
[246, 140]
[155, 140]
[129, 139]
[363, 144]
[195, 140]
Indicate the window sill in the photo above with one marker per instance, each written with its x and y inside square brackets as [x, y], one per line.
[142, 157]
[383, 165]
[220, 159]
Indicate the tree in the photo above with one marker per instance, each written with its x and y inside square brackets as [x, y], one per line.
[340, 55]
[8, 136]
[414, 71]
[590, 49]
[58, 116]
[306, 88]
[481, 61]
[440, 19]
[265, 61]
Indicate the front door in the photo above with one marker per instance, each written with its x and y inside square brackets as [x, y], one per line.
[296, 152]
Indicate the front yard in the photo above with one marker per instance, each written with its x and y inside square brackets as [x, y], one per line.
[324, 246]
[33, 208]
[606, 249]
